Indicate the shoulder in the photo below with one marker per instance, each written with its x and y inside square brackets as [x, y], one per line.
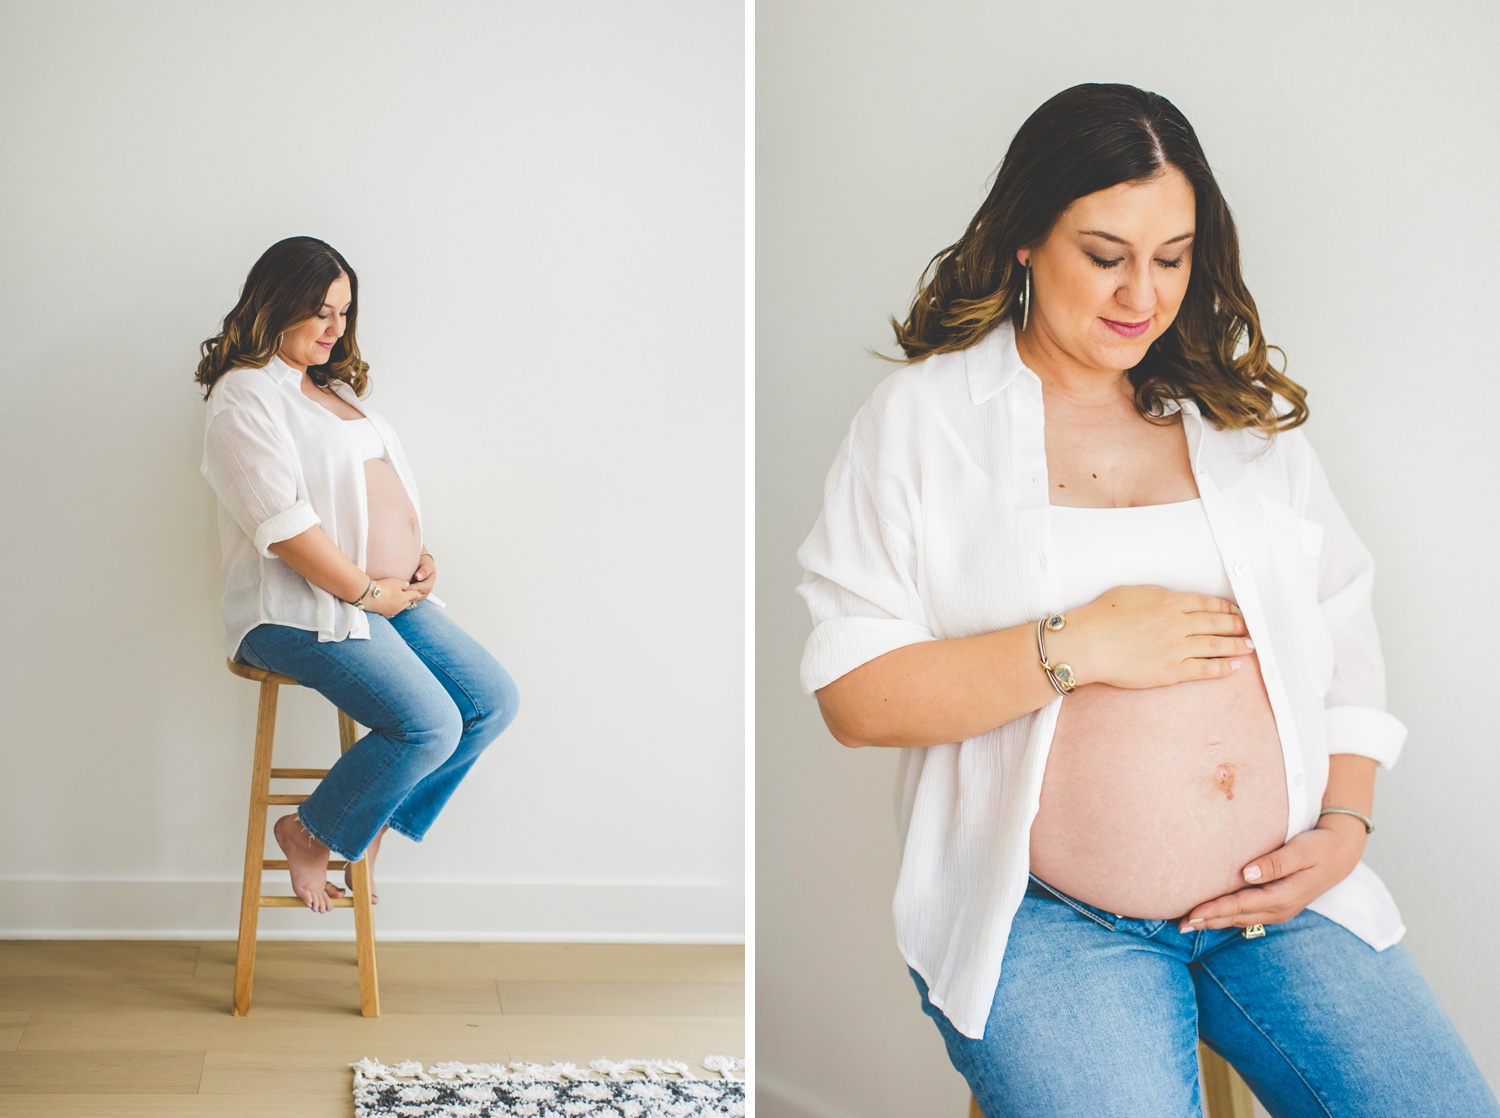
[909, 403]
[249, 389]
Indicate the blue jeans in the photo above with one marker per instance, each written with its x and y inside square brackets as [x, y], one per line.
[432, 698]
[1097, 1014]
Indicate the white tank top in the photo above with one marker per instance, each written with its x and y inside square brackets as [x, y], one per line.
[367, 441]
[1170, 546]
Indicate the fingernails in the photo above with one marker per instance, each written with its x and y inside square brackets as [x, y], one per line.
[1234, 665]
[1252, 873]
[1249, 643]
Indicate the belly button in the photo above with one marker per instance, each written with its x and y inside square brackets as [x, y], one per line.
[1224, 780]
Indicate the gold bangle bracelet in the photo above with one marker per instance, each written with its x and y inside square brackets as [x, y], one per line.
[1361, 816]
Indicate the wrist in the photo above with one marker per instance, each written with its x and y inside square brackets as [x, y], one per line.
[368, 595]
[1348, 829]
[1070, 645]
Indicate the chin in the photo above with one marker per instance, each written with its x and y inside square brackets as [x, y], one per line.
[1122, 354]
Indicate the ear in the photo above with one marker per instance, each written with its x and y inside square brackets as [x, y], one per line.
[1023, 257]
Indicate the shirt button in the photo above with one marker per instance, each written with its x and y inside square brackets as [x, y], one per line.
[1297, 780]
[1239, 568]
[1271, 673]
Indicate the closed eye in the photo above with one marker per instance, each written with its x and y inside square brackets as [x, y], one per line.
[1103, 263]
[1172, 263]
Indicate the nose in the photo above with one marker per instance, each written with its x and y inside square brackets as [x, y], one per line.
[1137, 292]
[336, 326]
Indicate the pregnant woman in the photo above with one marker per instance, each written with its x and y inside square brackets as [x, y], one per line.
[327, 577]
[1077, 562]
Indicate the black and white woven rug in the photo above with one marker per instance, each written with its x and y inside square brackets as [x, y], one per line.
[605, 1089]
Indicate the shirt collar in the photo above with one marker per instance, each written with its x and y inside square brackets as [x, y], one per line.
[993, 363]
[281, 372]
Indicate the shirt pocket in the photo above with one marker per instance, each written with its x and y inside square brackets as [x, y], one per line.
[1295, 557]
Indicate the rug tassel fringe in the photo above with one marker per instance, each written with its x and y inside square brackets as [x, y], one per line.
[412, 1071]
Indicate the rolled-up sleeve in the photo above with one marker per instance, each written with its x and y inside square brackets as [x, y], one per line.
[860, 582]
[254, 475]
[1355, 718]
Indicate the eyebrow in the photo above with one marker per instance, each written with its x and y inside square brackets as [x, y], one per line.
[1122, 241]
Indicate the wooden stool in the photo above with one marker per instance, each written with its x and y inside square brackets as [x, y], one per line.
[1224, 1092]
[251, 900]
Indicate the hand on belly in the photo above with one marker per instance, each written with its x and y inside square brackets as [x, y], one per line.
[1154, 800]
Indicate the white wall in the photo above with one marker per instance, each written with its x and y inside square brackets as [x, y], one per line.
[1357, 145]
[545, 206]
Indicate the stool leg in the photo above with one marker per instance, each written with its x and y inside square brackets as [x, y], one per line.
[364, 915]
[1224, 1092]
[255, 844]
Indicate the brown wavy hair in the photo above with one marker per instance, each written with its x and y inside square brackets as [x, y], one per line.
[284, 289]
[1083, 140]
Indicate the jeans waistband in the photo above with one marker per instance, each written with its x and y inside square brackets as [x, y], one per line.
[1036, 887]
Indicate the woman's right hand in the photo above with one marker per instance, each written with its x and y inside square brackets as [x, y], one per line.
[1143, 636]
[395, 596]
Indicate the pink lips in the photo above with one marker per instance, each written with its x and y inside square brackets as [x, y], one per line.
[1127, 329]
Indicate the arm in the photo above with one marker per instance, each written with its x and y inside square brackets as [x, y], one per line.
[938, 691]
[317, 558]
[949, 690]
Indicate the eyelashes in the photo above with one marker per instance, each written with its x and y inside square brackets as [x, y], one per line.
[1106, 264]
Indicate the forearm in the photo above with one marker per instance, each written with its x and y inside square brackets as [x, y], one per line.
[938, 691]
[317, 558]
[1351, 784]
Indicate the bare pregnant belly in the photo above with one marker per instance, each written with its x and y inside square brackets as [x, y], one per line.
[1154, 801]
[393, 543]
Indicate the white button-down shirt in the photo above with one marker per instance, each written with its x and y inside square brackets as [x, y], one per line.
[281, 463]
[936, 524]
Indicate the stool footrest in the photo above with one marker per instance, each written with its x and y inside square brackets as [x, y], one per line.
[287, 798]
[296, 902]
[281, 864]
[298, 774]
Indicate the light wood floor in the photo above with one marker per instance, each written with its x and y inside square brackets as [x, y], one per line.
[143, 1028]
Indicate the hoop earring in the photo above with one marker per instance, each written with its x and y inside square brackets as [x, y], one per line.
[1026, 300]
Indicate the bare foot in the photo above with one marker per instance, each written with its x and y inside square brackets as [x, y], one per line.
[308, 860]
[370, 852]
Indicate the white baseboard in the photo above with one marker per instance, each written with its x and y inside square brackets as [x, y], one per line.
[32, 908]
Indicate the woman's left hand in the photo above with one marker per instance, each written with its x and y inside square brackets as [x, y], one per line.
[425, 576]
[1286, 880]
